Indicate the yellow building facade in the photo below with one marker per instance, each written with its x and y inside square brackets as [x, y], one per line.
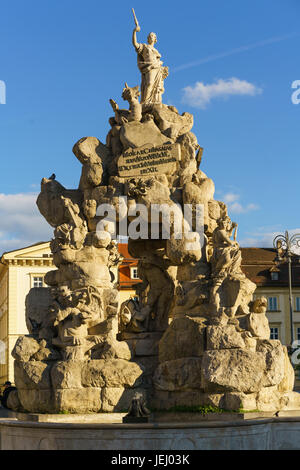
[20, 270]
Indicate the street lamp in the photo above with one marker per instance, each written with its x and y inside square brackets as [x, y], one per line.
[284, 244]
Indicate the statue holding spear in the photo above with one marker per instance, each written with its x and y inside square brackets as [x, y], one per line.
[150, 66]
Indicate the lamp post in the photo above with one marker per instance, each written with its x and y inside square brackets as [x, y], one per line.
[284, 244]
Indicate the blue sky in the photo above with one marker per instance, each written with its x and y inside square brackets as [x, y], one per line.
[231, 64]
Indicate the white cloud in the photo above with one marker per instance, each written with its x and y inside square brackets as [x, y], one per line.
[200, 95]
[265, 239]
[21, 224]
[231, 199]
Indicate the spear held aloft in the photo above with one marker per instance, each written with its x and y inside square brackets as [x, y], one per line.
[135, 18]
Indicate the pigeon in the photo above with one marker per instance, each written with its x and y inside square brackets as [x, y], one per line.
[52, 177]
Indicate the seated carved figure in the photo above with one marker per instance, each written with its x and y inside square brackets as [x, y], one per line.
[226, 258]
[133, 316]
[73, 313]
[131, 95]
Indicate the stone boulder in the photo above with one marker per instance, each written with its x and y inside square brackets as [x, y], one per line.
[185, 337]
[224, 337]
[235, 370]
[178, 375]
[111, 373]
[138, 134]
[258, 325]
[275, 361]
[170, 122]
[288, 381]
[112, 349]
[78, 400]
[25, 347]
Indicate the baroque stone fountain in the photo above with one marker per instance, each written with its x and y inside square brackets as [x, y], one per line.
[194, 336]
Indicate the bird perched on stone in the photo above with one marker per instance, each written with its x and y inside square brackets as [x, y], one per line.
[52, 177]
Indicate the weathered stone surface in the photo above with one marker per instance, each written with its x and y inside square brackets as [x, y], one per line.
[199, 193]
[213, 399]
[13, 401]
[118, 372]
[288, 381]
[118, 400]
[111, 397]
[164, 400]
[111, 373]
[91, 374]
[112, 349]
[37, 304]
[274, 361]
[66, 374]
[290, 401]
[237, 401]
[269, 399]
[170, 122]
[78, 400]
[25, 347]
[138, 134]
[250, 342]
[37, 401]
[32, 375]
[224, 337]
[185, 337]
[92, 165]
[145, 346]
[186, 249]
[237, 293]
[258, 325]
[178, 374]
[148, 363]
[232, 370]
[47, 354]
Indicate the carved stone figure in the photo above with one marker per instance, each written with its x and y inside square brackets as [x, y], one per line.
[131, 95]
[259, 305]
[137, 409]
[226, 257]
[150, 66]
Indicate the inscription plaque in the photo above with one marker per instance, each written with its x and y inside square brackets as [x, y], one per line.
[148, 160]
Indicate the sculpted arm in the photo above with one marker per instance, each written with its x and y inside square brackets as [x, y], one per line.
[233, 228]
[136, 45]
[223, 237]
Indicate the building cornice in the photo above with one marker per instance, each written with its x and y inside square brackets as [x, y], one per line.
[23, 262]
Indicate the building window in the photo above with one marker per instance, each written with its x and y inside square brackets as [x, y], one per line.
[298, 333]
[274, 276]
[274, 332]
[272, 303]
[134, 273]
[298, 304]
[37, 281]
